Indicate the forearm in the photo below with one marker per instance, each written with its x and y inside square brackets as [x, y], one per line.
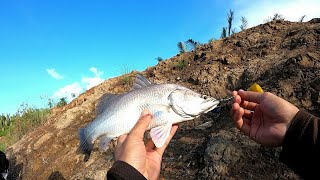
[121, 170]
[300, 150]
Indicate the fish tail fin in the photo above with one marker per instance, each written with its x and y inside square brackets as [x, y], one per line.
[85, 145]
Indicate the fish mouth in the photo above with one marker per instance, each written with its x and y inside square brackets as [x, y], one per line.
[209, 104]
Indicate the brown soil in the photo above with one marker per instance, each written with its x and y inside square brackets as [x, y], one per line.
[283, 57]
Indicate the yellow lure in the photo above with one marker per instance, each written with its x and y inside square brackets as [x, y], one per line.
[255, 88]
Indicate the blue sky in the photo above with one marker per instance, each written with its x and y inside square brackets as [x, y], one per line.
[50, 49]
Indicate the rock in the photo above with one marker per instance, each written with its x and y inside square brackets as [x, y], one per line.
[220, 154]
[230, 151]
[314, 20]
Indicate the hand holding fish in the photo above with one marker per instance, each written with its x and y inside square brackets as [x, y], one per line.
[132, 150]
[263, 117]
[169, 104]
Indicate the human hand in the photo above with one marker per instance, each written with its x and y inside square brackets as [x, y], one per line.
[264, 117]
[146, 158]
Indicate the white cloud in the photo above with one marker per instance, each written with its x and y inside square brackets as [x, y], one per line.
[257, 11]
[90, 82]
[53, 73]
[75, 89]
[96, 72]
[70, 91]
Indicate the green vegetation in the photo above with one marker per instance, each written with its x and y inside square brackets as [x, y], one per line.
[244, 23]
[62, 102]
[230, 19]
[159, 59]
[302, 18]
[2, 146]
[127, 77]
[276, 16]
[224, 32]
[182, 47]
[193, 45]
[127, 80]
[227, 31]
[14, 127]
[181, 64]
[211, 40]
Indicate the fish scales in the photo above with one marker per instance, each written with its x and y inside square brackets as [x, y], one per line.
[169, 104]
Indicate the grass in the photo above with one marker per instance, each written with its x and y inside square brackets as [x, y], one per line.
[181, 64]
[127, 78]
[2, 146]
[14, 127]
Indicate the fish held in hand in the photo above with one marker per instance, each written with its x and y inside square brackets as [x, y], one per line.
[168, 103]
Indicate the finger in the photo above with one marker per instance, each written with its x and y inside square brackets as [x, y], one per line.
[237, 115]
[241, 124]
[120, 140]
[172, 132]
[234, 93]
[247, 114]
[141, 126]
[150, 145]
[250, 96]
[237, 99]
[248, 105]
[118, 149]
[235, 107]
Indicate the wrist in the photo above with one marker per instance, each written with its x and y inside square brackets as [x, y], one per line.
[123, 170]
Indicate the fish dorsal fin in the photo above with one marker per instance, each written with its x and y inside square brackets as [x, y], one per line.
[104, 101]
[140, 82]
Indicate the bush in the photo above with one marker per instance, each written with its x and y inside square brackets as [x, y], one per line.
[159, 59]
[62, 102]
[21, 123]
[127, 80]
[181, 64]
[2, 147]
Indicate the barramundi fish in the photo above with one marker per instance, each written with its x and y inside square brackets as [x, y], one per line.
[117, 114]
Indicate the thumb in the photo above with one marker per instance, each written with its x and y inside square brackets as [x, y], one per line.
[141, 125]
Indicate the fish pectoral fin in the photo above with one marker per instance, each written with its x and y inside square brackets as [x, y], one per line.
[104, 142]
[160, 134]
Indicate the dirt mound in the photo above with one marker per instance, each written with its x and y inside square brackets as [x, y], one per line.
[283, 57]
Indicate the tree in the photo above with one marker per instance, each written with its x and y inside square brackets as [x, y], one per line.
[62, 102]
[230, 19]
[50, 103]
[192, 44]
[182, 47]
[302, 18]
[224, 32]
[277, 16]
[233, 31]
[244, 23]
[211, 40]
[159, 59]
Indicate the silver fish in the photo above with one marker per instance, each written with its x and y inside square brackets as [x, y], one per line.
[168, 103]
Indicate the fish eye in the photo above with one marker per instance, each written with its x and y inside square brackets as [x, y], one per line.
[204, 97]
